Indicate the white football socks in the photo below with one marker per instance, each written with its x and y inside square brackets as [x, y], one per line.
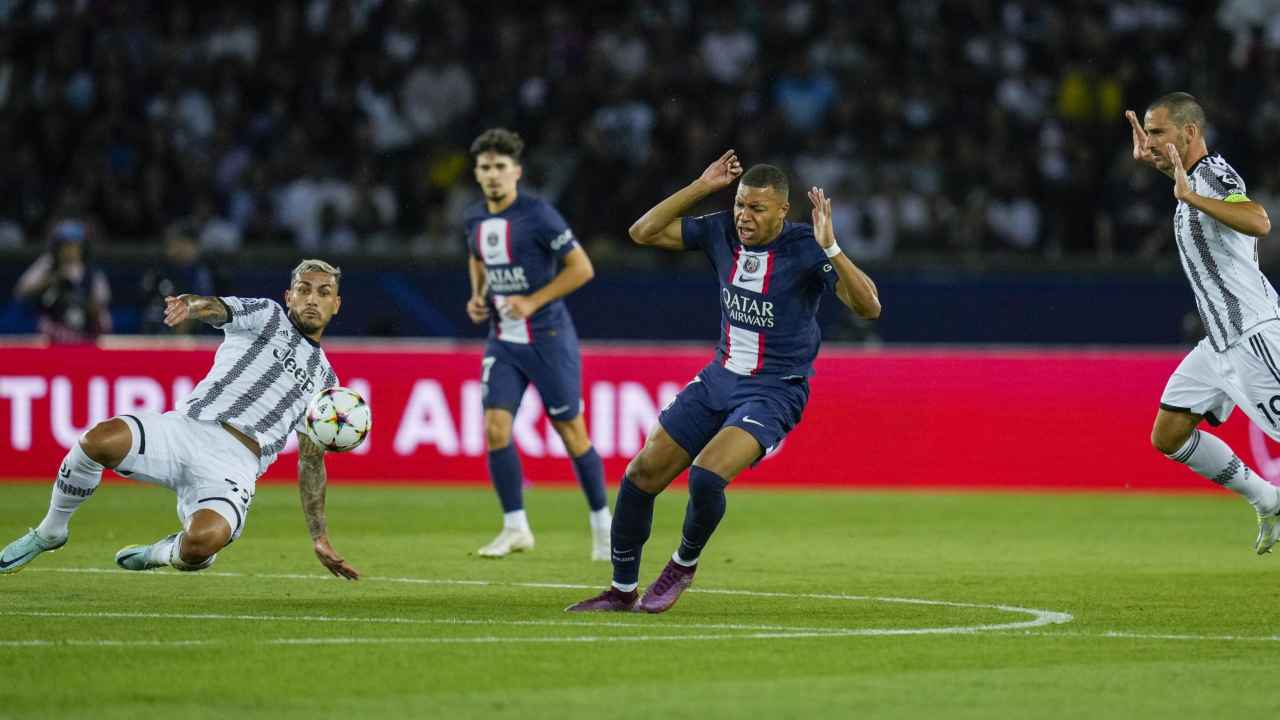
[516, 520]
[1211, 457]
[601, 519]
[78, 476]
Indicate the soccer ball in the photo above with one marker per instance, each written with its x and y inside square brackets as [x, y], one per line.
[338, 419]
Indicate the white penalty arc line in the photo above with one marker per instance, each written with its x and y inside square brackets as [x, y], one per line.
[1039, 618]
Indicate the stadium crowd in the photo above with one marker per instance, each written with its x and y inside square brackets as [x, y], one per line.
[342, 126]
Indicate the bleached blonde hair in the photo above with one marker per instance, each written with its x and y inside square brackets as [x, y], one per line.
[316, 265]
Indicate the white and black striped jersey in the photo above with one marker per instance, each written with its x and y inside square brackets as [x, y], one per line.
[263, 375]
[1231, 292]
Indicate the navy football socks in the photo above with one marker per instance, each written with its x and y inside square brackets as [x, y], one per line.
[703, 514]
[590, 471]
[508, 480]
[632, 521]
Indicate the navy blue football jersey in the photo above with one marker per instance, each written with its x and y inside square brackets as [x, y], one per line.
[520, 247]
[769, 294]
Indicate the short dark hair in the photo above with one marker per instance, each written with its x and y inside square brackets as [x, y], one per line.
[1184, 109]
[761, 176]
[500, 141]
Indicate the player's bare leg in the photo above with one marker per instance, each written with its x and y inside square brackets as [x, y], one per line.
[195, 548]
[1175, 434]
[648, 474]
[508, 481]
[590, 472]
[730, 452]
[105, 445]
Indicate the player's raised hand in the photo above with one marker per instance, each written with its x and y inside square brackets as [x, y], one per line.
[1181, 184]
[1141, 152]
[723, 171]
[176, 310]
[822, 229]
[333, 561]
[477, 309]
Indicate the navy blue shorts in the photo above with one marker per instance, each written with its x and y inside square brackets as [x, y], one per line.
[552, 364]
[768, 407]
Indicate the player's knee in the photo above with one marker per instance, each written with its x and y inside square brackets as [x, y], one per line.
[497, 435]
[201, 543]
[574, 435]
[108, 442]
[1168, 440]
[646, 475]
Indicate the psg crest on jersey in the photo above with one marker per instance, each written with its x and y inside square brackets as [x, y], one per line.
[492, 239]
[751, 265]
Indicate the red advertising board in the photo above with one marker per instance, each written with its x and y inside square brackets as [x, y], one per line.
[877, 418]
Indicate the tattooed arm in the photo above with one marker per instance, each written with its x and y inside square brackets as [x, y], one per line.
[311, 482]
[182, 308]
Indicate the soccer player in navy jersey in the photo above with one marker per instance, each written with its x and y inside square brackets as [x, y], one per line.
[772, 275]
[515, 243]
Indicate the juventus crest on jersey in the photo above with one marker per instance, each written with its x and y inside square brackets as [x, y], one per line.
[263, 375]
[1231, 292]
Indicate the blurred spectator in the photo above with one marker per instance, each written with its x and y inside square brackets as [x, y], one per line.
[72, 296]
[180, 270]
[258, 116]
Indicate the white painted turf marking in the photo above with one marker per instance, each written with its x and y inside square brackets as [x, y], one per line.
[1039, 618]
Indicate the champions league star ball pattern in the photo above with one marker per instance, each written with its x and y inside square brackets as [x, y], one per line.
[338, 419]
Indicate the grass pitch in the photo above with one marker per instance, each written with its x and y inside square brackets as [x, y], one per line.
[841, 604]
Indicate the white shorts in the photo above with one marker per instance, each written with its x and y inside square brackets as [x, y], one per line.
[1247, 374]
[200, 461]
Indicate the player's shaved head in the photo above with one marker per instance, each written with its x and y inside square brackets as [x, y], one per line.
[1183, 108]
[767, 176]
[499, 141]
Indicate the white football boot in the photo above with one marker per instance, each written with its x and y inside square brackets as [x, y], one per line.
[508, 541]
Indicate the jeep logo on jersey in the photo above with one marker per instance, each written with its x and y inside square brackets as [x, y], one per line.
[294, 369]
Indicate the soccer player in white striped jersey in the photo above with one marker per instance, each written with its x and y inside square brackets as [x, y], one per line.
[229, 430]
[1216, 227]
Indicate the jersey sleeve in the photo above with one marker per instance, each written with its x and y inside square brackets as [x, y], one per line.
[555, 235]
[697, 231]
[249, 315]
[1223, 181]
[468, 240]
[821, 269]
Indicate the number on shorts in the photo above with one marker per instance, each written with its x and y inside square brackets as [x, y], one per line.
[485, 365]
[1274, 402]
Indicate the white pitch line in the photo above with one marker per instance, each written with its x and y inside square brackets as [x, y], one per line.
[1039, 618]
[394, 620]
[1123, 635]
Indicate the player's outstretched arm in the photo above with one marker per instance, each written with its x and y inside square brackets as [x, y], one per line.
[1236, 212]
[311, 485]
[660, 227]
[855, 288]
[577, 271]
[182, 308]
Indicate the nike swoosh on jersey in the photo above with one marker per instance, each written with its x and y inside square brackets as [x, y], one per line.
[558, 410]
[747, 419]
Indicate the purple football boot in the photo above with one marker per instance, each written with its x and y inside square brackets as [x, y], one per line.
[664, 591]
[611, 600]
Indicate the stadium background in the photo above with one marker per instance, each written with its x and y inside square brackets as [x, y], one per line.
[983, 178]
